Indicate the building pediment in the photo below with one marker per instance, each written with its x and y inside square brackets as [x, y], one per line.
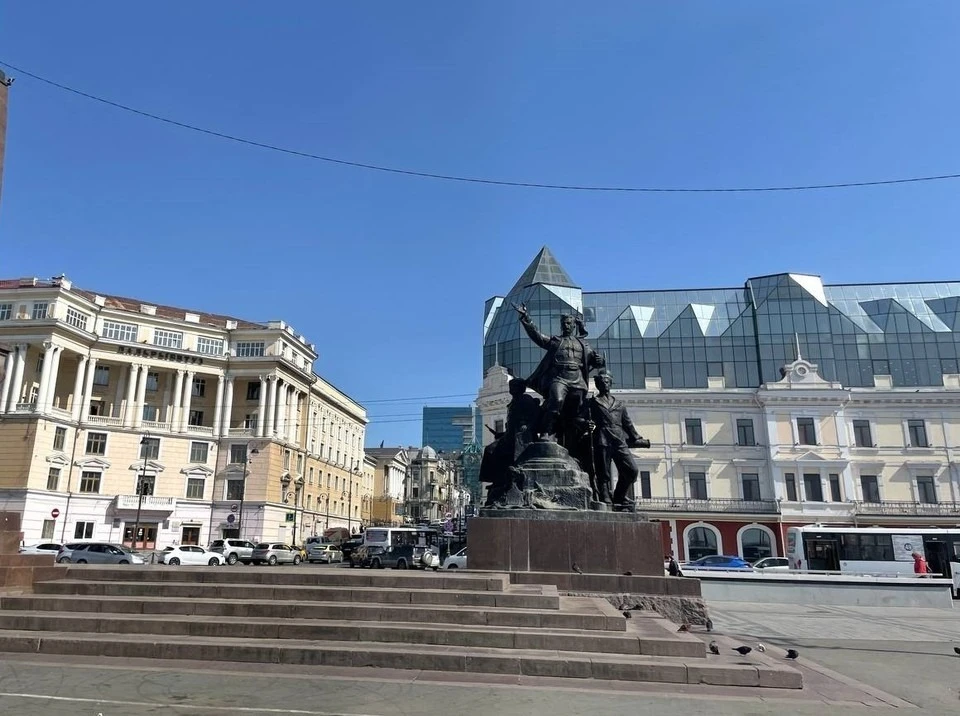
[97, 463]
[58, 458]
[147, 465]
[197, 468]
[810, 458]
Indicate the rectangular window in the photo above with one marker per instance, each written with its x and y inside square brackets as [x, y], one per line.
[210, 346]
[101, 375]
[199, 452]
[926, 491]
[153, 381]
[59, 438]
[96, 443]
[234, 490]
[791, 481]
[238, 454]
[866, 547]
[645, 485]
[6, 310]
[195, 488]
[751, 486]
[77, 319]
[286, 459]
[53, 478]
[167, 339]
[870, 487]
[698, 485]
[116, 331]
[694, 430]
[196, 417]
[745, 434]
[40, 310]
[199, 387]
[835, 495]
[250, 421]
[47, 531]
[253, 391]
[861, 434]
[812, 487]
[918, 433]
[149, 448]
[310, 481]
[249, 349]
[145, 484]
[83, 530]
[151, 413]
[806, 431]
[498, 426]
[89, 481]
[299, 463]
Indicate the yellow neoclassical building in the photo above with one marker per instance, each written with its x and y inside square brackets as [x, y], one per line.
[221, 422]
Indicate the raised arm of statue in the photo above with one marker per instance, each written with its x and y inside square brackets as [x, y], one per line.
[535, 335]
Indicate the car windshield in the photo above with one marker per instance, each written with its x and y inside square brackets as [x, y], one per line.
[263, 545]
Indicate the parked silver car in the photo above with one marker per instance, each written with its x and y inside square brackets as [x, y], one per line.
[51, 548]
[275, 553]
[234, 550]
[97, 553]
[324, 553]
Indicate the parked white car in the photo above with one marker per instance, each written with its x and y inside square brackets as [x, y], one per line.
[42, 548]
[456, 561]
[772, 564]
[323, 553]
[191, 555]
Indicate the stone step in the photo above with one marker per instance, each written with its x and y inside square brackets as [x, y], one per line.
[724, 670]
[384, 595]
[288, 575]
[537, 638]
[574, 612]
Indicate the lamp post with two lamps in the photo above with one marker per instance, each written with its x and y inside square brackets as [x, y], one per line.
[247, 458]
[144, 442]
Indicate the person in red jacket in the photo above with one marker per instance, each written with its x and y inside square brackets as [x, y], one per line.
[919, 564]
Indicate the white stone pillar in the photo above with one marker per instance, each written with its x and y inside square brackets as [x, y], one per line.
[292, 398]
[128, 407]
[165, 401]
[218, 407]
[187, 400]
[87, 389]
[283, 411]
[141, 397]
[8, 365]
[75, 412]
[280, 410]
[19, 365]
[49, 348]
[262, 407]
[52, 382]
[177, 399]
[271, 405]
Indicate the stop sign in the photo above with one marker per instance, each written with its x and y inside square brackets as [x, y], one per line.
[54, 513]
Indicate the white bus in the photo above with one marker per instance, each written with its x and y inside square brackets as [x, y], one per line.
[874, 550]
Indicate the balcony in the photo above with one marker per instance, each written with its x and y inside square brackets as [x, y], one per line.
[103, 420]
[908, 509]
[155, 426]
[717, 504]
[200, 429]
[242, 432]
[150, 503]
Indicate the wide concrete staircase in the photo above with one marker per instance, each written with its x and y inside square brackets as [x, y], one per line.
[450, 622]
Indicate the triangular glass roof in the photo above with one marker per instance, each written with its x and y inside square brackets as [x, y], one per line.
[544, 269]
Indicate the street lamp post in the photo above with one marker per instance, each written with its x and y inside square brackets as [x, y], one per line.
[143, 474]
[243, 487]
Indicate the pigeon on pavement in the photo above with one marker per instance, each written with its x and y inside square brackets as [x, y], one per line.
[627, 614]
[761, 648]
[742, 650]
[684, 627]
[576, 568]
[628, 574]
[792, 653]
[709, 624]
[956, 650]
[714, 649]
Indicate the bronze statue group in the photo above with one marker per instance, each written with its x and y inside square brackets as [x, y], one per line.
[597, 432]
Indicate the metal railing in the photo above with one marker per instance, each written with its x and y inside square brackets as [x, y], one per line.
[717, 504]
[910, 509]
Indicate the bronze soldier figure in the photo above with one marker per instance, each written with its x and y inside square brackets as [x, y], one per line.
[523, 413]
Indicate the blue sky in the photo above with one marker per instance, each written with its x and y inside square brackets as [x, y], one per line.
[388, 274]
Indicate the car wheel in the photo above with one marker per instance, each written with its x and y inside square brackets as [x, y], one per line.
[273, 560]
[213, 562]
[352, 564]
[401, 564]
[81, 561]
[296, 560]
[376, 563]
[124, 561]
[452, 566]
[64, 560]
[232, 559]
[173, 561]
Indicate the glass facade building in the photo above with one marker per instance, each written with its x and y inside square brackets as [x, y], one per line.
[449, 429]
[682, 338]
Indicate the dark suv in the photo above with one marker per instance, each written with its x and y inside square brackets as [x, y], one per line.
[234, 550]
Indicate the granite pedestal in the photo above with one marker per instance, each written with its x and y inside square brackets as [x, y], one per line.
[525, 540]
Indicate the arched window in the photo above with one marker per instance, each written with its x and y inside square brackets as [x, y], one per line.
[701, 542]
[755, 543]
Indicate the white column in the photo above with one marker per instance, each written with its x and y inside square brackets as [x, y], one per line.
[78, 389]
[280, 412]
[292, 399]
[167, 381]
[128, 407]
[141, 397]
[7, 379]
[48, 352]
[187, 399]
[16, 387]
[177, 398]
[87, 389]
[54, 375]
[262, 408]
[218, 407]
[271, 405]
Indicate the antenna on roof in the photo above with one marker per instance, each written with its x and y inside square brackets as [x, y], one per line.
[796, 337]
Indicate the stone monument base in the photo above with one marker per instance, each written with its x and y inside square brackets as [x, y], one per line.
[525, 540]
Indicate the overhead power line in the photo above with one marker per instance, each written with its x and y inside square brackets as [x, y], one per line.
[477, 180]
